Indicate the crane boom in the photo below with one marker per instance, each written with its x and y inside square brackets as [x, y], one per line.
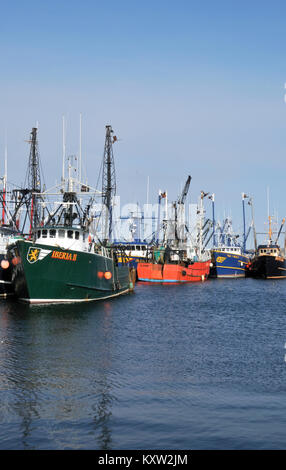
[181, 200]
[283, 222]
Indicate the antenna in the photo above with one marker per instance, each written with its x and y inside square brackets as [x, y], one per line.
[5, 159]
[80, 145]
[64, 150]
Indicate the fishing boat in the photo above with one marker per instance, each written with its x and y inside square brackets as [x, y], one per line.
[269, 261]
[177, 261]
[60, 264]
[63, 261]
[228, 258]
[130, 247]
[7, 234]
[132, 253]
[228, 262]
[173, 272]
[9, 231]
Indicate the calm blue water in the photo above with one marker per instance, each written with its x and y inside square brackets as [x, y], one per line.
[196, 366]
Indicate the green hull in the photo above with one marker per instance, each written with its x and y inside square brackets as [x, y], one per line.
[43, 273]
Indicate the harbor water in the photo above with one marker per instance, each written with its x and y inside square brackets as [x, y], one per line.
[195, 366]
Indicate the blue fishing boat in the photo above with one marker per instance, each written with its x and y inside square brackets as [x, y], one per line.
[228, 258]
[228, 262]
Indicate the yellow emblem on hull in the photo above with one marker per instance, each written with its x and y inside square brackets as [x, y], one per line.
[220, 259]
[33, 254]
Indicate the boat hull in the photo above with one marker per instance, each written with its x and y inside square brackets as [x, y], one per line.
[267, 267]
[132, 261]
[168, 273]
[228, 265]
[45, 274]
[6, 288]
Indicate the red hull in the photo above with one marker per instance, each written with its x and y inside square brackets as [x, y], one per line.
[198, 271]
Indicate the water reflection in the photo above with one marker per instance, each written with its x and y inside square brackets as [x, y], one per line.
[55, 364]
[187, 367]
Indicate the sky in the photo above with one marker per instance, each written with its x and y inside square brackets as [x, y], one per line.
[189, 88]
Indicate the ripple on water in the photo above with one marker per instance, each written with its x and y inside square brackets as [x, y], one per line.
[186, 366]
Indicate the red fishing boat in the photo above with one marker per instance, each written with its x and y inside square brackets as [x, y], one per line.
[177, 260]
[152, 272]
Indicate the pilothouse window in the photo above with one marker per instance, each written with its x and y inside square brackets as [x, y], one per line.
[76, 235]
[61, 234]
[44, 233]
[53, 233]
[70, 233]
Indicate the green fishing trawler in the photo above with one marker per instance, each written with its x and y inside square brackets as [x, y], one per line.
[61, 265]
[63, 259]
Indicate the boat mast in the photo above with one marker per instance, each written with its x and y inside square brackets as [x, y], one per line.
[244, 196]
[165, 220]
[212, 197]
[108, 183]
[34, 180]
[269, 231]
[253, 225]
[158, 218]
[4, 184]
[201, 215]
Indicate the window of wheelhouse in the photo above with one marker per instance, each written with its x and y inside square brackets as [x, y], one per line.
[76, 235]
[70, 233]
[61, 233]
[44, 233]
[53, 233]
[39, 233]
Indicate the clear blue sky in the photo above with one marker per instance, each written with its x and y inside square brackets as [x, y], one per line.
[189, 88]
